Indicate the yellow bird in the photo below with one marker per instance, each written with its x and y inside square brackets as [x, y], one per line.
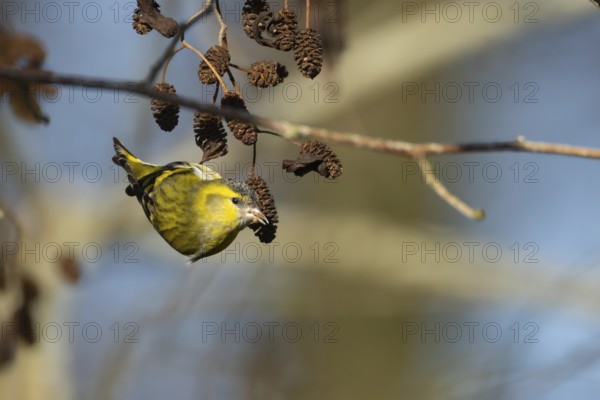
[195, 210]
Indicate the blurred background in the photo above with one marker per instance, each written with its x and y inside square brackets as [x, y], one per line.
[374, 286]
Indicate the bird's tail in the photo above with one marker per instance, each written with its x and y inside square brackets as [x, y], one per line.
[136, 169]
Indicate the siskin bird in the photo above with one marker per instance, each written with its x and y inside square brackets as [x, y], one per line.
[195, 210]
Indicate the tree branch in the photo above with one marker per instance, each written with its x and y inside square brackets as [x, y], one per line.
[293, 131]
[442, 191]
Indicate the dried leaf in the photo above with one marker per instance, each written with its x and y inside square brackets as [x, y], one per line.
[23, 99]
[21, 51]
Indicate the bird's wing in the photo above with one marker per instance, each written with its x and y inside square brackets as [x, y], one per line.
[148, 184]
[203, 172]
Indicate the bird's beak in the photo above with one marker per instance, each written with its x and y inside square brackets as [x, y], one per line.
[254, 215]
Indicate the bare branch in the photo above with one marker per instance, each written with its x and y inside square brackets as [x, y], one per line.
[442, 191]
[223, 26]
[293, 131]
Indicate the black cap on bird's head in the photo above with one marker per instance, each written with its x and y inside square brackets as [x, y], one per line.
[248, 201]
[242, 188]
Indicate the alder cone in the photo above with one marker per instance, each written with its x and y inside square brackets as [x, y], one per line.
[308, 52]
[219, 57]
[266, 73]
[165, 114]
[210, 135]
[252, 11]
[242, 131]
[266, 203]
[283, 29]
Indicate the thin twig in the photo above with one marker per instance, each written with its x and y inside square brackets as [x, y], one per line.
[208, 7]
[166, 66]
[293, 131]
[231, 77]
[212, 68]
[158, 64]
[294, 142]
[222, 24]
[441, 190]
[307, 14]
[253, 159]
[216, 94]
[156, 67]
[238, 67]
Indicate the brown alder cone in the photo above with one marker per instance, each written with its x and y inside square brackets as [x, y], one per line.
[219, 57]
[166, 114]
[308, 52]
[210, 135]
[243, 131]
[266, 203]
[266, 73]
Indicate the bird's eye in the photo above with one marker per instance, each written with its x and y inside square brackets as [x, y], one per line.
[235, 200]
